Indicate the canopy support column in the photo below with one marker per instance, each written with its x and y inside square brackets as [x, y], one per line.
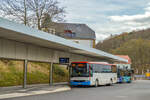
[51, 74]
[25, 73]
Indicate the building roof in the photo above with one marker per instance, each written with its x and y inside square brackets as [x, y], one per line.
[82, 31]
[125, 57]
[22, 33]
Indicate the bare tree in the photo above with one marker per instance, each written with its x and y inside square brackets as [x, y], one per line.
[46, 21]
[31, 12]
[41, 7]
[15, 10]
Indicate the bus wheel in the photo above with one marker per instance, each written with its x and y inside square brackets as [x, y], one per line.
[96, 83]
[111, 82]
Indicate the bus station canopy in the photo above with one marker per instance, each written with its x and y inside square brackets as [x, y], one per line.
[22, 33]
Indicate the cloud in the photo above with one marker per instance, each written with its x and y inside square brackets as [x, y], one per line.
[137, 17]
[101, 37]
[109, 16]
[130, 18]
[133, 22]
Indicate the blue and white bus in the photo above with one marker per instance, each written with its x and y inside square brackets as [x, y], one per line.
[92, 74]
[124, 75]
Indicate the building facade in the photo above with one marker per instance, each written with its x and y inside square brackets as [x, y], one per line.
[78, 33]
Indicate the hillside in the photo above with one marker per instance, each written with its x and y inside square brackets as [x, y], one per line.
[116, 41]
[136, 44]
[11, 73]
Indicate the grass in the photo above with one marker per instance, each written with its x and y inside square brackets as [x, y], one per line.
[38, 73]
[60, 74]
[11, 73]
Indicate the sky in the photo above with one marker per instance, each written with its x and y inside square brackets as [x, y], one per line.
[108, 17]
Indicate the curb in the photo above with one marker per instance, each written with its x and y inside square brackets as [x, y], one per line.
[12, 95]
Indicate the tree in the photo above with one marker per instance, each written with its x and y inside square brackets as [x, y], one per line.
[30, 12]
[15, 10]
[41, 7]
[138, 50]
[46, 21]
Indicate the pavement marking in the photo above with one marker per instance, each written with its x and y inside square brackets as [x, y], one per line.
[22, 90]
[12, 95]
[121, 96]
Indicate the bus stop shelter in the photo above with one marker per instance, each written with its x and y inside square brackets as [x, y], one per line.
[21, 42]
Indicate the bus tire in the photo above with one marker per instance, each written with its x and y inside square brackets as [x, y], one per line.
[96, 83]
[111, 82]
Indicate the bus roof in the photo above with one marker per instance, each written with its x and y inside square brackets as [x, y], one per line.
[102, 63]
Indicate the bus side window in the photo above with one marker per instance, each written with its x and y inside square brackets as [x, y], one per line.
[114, 68]
[104, 69]
[100, 67]
[95, 68]
[109, 69]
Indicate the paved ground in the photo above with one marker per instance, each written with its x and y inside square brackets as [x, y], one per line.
[139, 90]
[18, 91]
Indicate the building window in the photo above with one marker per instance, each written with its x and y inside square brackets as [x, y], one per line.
[49, 30]
[52, 31]
[70, 34]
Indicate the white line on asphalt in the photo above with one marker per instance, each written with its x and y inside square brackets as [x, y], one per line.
[121, 96]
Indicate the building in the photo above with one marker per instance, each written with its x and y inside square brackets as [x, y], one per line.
[123, 65]
[79, 33]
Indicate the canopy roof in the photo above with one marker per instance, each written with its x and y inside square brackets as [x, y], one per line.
[22, 33]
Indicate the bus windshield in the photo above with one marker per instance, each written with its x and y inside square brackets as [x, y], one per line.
[79, 70]
[122, 72]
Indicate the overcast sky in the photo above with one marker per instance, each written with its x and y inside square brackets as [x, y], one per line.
[107, 17]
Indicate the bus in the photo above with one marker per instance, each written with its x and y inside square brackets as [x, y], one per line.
[124, 75]
[92, 74]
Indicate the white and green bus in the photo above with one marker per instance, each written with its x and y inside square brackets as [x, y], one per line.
[92, 74]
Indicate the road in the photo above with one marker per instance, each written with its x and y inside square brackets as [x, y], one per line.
[139, 90]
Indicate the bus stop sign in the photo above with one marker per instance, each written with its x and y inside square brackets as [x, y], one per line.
[63, 60]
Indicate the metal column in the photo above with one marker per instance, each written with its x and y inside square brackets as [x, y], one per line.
[51, 74]
[25, 73]
[69, 70]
